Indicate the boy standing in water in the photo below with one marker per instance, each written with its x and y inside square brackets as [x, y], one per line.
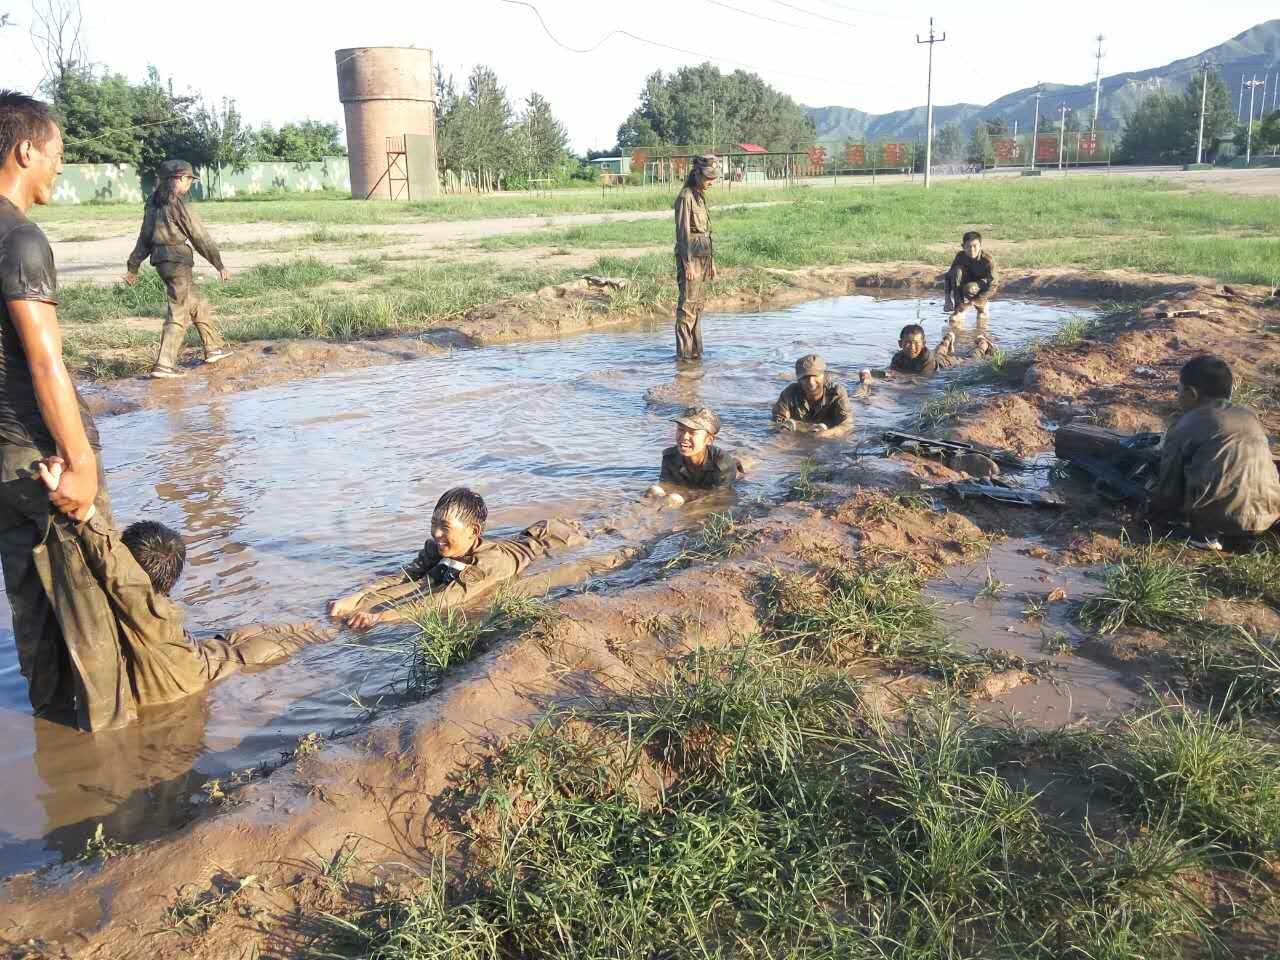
[695, 261]
[170, 229]
[971, 280]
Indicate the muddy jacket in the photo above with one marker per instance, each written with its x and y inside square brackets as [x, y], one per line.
[428, 579]
[164, 662]
[927, 362]
[720, 469]
[168, 233]
[832, 409]
[964, 269]
[693, 226]
[1216, 470]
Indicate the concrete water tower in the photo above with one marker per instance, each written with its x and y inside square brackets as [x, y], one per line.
[388, 96]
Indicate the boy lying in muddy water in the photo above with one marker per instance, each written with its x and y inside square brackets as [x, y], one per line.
[137, 569]
[815, 403]
[1217, 476]
[695, 462]
[457, 565]
[914, 357]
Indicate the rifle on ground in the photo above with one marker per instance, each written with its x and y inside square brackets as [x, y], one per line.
[947, 449]
[1000, 491]
[1122, 466]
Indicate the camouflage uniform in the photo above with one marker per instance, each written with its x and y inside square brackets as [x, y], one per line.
[719, 469]
[168, 233]
[695, 262]
[832, 409]
[970, 282]
[927, 362]
[1216, 471]
[165, 662]
[431, 579]
[62, 623]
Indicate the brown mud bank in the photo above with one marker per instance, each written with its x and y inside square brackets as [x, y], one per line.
[577, 307]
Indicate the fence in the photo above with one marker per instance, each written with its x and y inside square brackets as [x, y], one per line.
[122, 183]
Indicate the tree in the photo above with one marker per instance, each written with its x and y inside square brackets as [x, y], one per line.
[56, 30]
[980, 149]
[1164, 126]
[948, 145]
[1269, 130]
[475, 127]
[224, 140]
[299, 142]
[997, 126]
[540, 138]
[700, 107]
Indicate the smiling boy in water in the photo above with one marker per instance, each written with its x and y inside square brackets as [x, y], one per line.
[695, 462]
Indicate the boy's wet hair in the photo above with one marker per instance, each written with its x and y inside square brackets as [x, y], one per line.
[23, 118]
[971, 235]
[159, 551]
[910, 330]
[1210, 375]
[463, 504]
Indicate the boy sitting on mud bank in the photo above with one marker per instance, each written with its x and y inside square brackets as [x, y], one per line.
[456, 565]
[971, 280]
[1217, 475]
[695, 462]
[914, 357]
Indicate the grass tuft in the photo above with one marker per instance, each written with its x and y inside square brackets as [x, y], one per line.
[1146, 588]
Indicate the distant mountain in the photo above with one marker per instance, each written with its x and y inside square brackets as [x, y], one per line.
[1255, 50]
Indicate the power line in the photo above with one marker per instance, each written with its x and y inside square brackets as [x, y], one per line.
[758, 16]
[667, 46]
[820, 16]
[865, 13]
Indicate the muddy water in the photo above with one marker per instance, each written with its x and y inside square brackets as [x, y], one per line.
[289, 495]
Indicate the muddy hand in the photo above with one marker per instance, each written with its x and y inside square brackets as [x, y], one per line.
[362, 621]
[344, 606]
[50, 469]
[130, 279]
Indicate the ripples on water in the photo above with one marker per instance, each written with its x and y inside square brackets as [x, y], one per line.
[290, 495]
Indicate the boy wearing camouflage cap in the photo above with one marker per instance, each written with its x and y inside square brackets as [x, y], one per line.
[815, 402]
[170, 229]
[695, 461]
[695, 262]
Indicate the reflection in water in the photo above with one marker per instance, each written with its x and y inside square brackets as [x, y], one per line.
[291, 494]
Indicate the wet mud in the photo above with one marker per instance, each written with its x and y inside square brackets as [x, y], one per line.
[1003, 579]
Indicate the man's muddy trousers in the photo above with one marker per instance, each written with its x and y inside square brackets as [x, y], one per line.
[63, 625]
[689, 306]
[185, 307]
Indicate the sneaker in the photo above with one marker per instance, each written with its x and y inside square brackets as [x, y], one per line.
[217, 355]
[166, 373]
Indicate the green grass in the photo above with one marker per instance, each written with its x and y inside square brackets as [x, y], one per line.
[941, 408]
[1148, 587]
[720, 537]
[745, 806]
[1248, 576]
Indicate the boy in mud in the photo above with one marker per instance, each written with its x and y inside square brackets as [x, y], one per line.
[456, 565]
[170, 229]
[695, 462]
[1217, 476]
[914, 357]
[815, 403]
[971, 280]
[137, 569]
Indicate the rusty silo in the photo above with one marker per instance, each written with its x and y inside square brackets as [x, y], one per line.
[388, 95]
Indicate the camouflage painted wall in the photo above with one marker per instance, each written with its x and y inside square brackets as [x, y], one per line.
[121, 183]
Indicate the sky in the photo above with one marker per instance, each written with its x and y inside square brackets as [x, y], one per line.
[276, 58]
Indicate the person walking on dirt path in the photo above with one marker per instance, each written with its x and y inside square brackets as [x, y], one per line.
[62, 623]
[971, 280]
[170, 229]
[815, 403]
[695, 260]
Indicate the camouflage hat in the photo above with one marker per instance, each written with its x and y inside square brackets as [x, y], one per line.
[707, 164]
[177, 168]
[811, 365]
[699, 418]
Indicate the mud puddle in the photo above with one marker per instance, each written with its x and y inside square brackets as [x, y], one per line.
[289, 495]
[1010, 600]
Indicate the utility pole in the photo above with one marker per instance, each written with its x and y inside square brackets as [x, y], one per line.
[1248, 140]
[1097, 86]
[1240, 103]
[1262, 110]
[1062, 132]
[1204, 92]
[928, 121]
[1035, 127]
